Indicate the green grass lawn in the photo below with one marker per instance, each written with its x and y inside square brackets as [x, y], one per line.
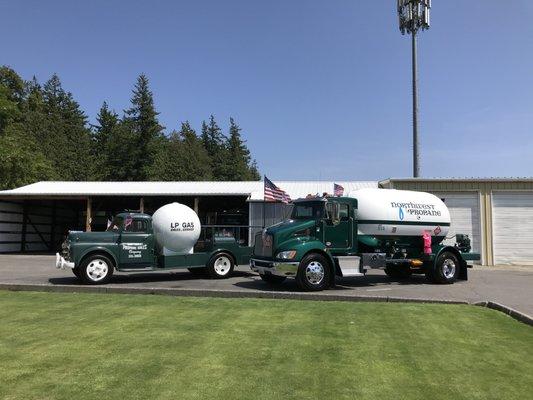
[94, 346]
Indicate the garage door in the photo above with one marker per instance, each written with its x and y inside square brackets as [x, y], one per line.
[465, 216]
[512, 220]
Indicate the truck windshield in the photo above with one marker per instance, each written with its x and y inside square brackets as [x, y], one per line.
[116, 224]
[308, 210]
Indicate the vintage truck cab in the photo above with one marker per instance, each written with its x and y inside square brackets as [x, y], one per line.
[327, 237]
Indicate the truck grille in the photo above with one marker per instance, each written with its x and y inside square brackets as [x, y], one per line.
[263, 245]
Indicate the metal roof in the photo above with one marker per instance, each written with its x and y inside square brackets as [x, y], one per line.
[492, 179]
[251, 189]
[298, 189]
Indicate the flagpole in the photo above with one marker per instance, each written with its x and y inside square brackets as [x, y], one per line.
[264, 202]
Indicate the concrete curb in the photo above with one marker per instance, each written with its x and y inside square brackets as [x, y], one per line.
[526, 319]
[253, 294]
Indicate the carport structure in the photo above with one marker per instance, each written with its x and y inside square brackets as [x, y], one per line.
[35, 218]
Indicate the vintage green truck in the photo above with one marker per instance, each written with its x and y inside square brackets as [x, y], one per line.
[138, 242]
[399, 231]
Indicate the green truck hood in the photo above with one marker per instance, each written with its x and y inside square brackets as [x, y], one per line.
[285, 230]
[92, 237]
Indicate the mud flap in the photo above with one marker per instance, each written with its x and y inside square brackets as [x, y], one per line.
[463, 273]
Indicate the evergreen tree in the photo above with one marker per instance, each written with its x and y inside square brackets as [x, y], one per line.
[141, 120]
[239, 164]
[11, 97]
[182, 157]
[195, 157]
[214, 142]
[120, 154]
[108, 122]
[61, 130]
[21, 161]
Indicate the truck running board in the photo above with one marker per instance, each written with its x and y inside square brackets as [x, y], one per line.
[350, 266]
[136, 269]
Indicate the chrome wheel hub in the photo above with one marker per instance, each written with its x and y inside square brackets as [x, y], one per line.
[448, 268]
[222, 265]
[97, 270]
[314, 272]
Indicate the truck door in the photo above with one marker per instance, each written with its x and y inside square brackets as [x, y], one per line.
[136, 247]
[338, 234]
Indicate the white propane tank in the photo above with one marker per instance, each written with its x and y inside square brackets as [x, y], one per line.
[391, 212]
[176, 228]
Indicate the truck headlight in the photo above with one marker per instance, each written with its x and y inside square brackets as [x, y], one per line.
[287, 255]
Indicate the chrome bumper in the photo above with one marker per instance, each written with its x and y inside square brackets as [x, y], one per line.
[61, 263]
[283, 268]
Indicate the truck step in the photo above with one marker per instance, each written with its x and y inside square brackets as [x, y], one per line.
[350, 266]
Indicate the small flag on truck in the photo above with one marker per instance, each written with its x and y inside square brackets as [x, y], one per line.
[338, 190]
[274, 193]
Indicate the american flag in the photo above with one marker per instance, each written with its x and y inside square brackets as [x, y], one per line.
[338, 190]
[274, 193]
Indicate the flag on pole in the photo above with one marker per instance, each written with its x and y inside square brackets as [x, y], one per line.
[338, 190]
[274, 193]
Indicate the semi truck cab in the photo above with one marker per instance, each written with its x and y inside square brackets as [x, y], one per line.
[322, 240]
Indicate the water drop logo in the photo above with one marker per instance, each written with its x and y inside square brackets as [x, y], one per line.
[400, 213]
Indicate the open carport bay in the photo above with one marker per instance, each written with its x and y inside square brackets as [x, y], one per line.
[508, 285]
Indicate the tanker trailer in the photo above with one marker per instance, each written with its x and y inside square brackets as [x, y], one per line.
[395, 230]
[171, 239]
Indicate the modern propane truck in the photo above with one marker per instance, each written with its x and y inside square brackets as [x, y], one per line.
[399, 231]
[136, 242]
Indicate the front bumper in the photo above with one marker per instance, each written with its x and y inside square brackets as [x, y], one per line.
[283, 268]
[61, 263]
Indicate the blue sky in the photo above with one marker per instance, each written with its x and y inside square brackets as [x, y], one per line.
[320, 88]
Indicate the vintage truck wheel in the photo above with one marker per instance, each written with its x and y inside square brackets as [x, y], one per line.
[96, 269]
[272, 279]
[313, 273]
[220, 266]
[446, 268]
[76, 272]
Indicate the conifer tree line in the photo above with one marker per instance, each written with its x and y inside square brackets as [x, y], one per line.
[45, 135]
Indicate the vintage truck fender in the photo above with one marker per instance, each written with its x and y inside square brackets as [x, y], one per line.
[95, 249]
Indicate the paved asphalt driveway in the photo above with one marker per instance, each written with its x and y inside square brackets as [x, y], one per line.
[508, 285]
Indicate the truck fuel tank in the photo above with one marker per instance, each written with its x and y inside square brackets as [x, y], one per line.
[176, 229]
[394, 213]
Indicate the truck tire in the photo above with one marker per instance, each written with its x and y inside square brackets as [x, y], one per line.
[200, 271]
[445, 269]
[76, 272]
[272, 279]
[314, 273]
[398, 272]
[96, 269]
[220, 266]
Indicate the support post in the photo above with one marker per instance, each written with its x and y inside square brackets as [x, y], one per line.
[88, 217]
[53, 227]
[416, 158]
[196, 204]
[141, 204]
[24, 226]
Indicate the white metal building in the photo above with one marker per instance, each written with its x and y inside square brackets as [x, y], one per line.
[497, 213]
